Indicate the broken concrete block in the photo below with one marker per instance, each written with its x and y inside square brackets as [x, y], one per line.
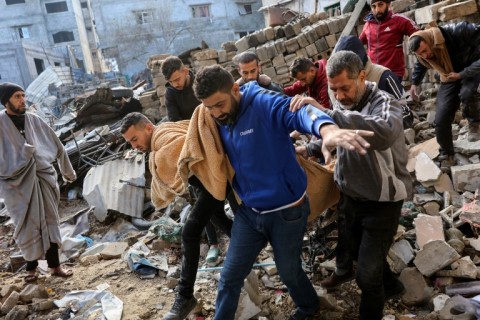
[253, 289]
[311, 34]
[42, 304]
[33, 291]
[401, 253]
[269, 33]
[416, 288]
[429, 147]
[297, 28]
[242, 45]
[421, 199]
[428, 228]
[8, 289]
[462, 268]
[207, 54]
[456, 244]
[331, 40]
[292, 45]
[450, 310]
[10, 302]
[444, 183]
[289, 31]
[426, 171]
[311, 50]
[261, 53]
[466, 178]
[439, 301]
[246, 309]
[89, 260]
[302, 40]
[222, 56]
[434, 256]
[321, 28]
[431, 208]
[429, 13]
[17, 313]
[474, 243]
[261, 38]
[280, 46]
[114, 250]
[457, 10]
[321, 45]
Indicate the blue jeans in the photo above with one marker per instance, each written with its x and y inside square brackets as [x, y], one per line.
[251, 231]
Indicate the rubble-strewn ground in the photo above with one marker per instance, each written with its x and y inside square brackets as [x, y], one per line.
[151, 299]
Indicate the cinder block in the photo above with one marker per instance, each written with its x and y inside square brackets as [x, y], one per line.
[269, 33]
[321, 28]
[302, 41]
[289, 31]
[292, 45]
[321, 45]
[280, 45]
[311, 50]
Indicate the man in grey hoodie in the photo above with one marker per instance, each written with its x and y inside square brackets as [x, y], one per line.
[372, 186]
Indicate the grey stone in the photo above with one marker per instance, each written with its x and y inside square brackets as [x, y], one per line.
[462, 268]
[32, 291]
[114, 250]
[434, 256]
[428, 228]
[416, 289]
[426, 171]
[401, 253]
[17, 313]
[466, 178]
[10, 302]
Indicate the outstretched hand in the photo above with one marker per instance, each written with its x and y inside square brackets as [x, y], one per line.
[351, 140]
[299, 101]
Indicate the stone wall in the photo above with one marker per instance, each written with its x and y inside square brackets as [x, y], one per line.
[314, 36]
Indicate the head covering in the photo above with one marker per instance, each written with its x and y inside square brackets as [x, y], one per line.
[370, 2]
[7, 90]
[352, 43]
[440, 62]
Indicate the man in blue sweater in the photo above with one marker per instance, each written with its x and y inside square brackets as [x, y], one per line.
[254, 126]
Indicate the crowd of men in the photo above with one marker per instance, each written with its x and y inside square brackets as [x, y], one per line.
[351, 104]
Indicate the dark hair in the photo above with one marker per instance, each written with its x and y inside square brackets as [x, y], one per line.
[344, 60]
[414, 43]
[245, 57]
[133, 119]
[170, 65]
[212, 79]
[300, 65]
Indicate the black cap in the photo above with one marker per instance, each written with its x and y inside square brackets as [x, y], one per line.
[352, 43]
[7, 90]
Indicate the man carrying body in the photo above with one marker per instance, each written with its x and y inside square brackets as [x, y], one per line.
[372, 186]
[28, 181]
[254, 126]
[383, 33]
[250, 70]
[138, 131]
[311, 79]
[453, 51]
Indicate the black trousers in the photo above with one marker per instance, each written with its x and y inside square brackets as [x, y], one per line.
[206, 208]
[366, 230]
[51, 256]
[449, 97]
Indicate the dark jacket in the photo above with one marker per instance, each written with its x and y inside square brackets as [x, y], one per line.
[463, 44]
[267, 173]
[318, 90]
[181, 103]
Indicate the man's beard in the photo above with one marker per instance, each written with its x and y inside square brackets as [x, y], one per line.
[381, 16]
[15, 110]
[352, 103]
[230, 117]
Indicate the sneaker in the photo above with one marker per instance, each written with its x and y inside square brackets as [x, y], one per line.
[212, 255]
[181, 308]
[473, 131]
[395, 291]
[335, 280]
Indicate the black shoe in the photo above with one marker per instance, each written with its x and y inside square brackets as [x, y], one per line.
[181, 308]
[395, 291]
[335, 280]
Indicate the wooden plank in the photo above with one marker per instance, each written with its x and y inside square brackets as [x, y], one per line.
[354, 18]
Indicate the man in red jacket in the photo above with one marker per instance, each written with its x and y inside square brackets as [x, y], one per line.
[383, 33]
[311, 78]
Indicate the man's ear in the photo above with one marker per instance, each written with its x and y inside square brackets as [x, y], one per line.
[149, 127]
[235, 89]
[362, 75]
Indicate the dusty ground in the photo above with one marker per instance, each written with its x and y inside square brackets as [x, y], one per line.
[151, 299]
